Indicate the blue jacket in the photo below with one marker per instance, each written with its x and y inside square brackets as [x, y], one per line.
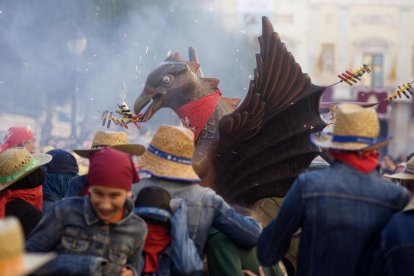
[207, 209]
[341, 212]
[181, 257]
[84, 244]
[76, 186]
[396, 253]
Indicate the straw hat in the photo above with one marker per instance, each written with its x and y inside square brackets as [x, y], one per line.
[13, 260]
[16, 163]
[114, 139]
[355, 128]
[170, 153]
[407, 174]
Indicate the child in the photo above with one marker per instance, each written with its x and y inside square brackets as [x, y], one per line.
[97, 234]
[168, 248]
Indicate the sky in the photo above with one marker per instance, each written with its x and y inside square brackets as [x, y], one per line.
[123, 42]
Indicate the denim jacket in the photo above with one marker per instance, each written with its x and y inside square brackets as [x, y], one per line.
[207, 209]
[341, 212]
[395, 255]
[85, 245]
[181, 257]
[76, 185]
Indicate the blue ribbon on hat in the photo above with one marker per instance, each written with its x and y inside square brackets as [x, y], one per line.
[356, 139]
[168, 156]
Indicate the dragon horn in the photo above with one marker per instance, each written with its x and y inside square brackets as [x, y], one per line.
[192, 53]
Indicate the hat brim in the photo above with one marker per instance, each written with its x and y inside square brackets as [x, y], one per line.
[410, 205]
[324, 140]
[32, 262]
[166, 169]
[400, 175]
[40, 160]
[133, 149]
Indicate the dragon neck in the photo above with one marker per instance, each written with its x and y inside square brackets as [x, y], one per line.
[194, 115]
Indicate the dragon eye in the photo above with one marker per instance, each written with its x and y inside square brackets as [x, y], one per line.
[166, 79]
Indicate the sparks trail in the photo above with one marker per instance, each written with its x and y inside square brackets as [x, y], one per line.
[123, 110]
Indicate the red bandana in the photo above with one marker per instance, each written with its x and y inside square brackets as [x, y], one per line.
[195, 115]
[111, 168]
[33, 196]
[365, 162]
[158, 239]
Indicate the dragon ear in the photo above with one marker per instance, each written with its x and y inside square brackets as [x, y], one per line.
[173, 57]
[192, 54]
[211, 82]
[194, 66]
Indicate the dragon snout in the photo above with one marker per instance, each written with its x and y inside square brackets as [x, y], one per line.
[141, 102]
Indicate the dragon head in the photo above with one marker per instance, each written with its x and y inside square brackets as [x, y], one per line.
[172, 84]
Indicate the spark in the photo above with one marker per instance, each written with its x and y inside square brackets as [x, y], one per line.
[146, 51]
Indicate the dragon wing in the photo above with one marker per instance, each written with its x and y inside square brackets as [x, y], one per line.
[264, 144]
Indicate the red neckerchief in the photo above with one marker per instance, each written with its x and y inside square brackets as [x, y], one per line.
[364, 162]
[33, 196]
[158, 239]
[195, 115]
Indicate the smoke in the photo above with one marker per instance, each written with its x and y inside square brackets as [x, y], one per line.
[125, 40]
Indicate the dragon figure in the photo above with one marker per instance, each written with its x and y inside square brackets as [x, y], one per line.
[254, 150]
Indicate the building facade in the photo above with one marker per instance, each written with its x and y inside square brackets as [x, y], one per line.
[328, 37]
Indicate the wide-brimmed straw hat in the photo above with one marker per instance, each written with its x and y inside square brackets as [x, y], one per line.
[355, 128]
[407, 174]
[170, 153]
[114, 139]
[16, 163]
[13, 260]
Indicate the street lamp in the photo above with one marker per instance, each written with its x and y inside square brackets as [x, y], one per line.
[76, 46]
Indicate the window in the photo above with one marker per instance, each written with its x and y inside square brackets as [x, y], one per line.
[376, 63]
[326, 60]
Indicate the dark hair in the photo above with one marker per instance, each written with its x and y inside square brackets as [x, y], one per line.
[150, 199]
